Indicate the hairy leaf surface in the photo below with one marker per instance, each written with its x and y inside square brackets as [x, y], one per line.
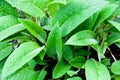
[20, 57]
[75, 12]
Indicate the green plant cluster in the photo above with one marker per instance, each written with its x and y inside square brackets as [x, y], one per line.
[56, 39]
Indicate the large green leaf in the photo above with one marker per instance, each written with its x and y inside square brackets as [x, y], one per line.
[27, 6]
[96, 71]
[24, 74]
[54, 42]
[113, 38]
[75, 12]
[115, 24]
[5, 50]
[78, 62]
[7, 21]
[10, 31]
[34, 29]
[20, 57]
[7, 9]
[115, 68]
[60, 69]
[82, 38]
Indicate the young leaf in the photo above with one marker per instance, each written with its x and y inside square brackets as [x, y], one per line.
[77, 62]
[24, 74]
[115, 68]
[7, 21]
[113, 38]
[26, 6]
[96, 71]
[20, 57]
[82, 38]
[115, 24]
[10, 31]
[34, 29]
[54, 43]
[7, 9]
[60, 69]
[74, 78]
[74, 13]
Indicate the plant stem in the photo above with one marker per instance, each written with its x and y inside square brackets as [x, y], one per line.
[112, 54]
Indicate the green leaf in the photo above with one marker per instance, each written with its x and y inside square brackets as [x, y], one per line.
[72, 72]
[118, 45]
[83, 52]
[42, 75]
[1, 66]
[7, 9]
[77, 62]
[113, 38]
[27, 6]
[60, 69]
[116, 78]
[105, 61]
[106, 12]
[96, 71]
[34, 29]
[76, 12]
[82, 38]
[5, 52]
[74, 78]
[54, 42]
[54, 6]
[89, 24]
[115, 24]
[42, 4]
[67, 52]
[115, 68]
[7, 21]
[24, 74]
[99, 50]
[10, 31]
[32, 63]
[20, 57]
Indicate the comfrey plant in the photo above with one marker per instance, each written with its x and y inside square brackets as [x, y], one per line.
[59, 39]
